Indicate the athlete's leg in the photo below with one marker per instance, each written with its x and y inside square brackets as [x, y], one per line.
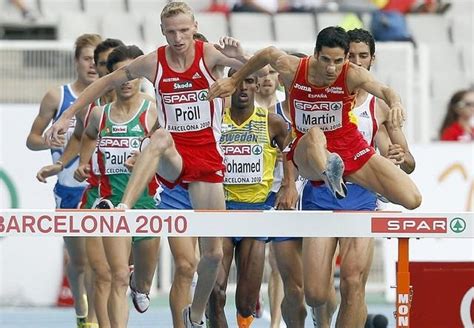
[318, 259]
[380, 175]
[117, 251]
[288, 257]
[209, 196]
[145, 260]
[76, 267]
[316, 163]
[185, 264]
[356, 258]
[217, 299]
[250, 261]
[275, 290]
[102, 278]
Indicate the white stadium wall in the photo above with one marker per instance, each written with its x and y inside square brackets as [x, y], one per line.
[31, 267]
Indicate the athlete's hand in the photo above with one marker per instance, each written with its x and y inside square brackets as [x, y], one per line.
[230, 47]
[222, 88]
[396, 115]
[82, 172]
[287, 197]
[396, 154]
[59, 142]
[130, 162]
[48, 171]
[52, 136]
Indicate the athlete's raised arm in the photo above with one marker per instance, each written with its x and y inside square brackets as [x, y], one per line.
[278, 59]
[144, 66]
[360, 78]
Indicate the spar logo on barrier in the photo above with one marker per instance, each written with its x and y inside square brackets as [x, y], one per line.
[457, 225]
[409, 225]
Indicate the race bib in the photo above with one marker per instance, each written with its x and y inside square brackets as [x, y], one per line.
[187, 111]
[327, 115]
[244, 164]
[116, 150]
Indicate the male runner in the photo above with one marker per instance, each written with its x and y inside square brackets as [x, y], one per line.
[249, 139]
[185, 146]
[94, 246]
[328, 145]
[355, 253]
[67, 191]
[119, 127]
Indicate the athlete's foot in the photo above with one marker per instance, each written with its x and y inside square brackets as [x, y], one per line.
[80, 322]
[188, 323]
[332, 176]
[141, 301]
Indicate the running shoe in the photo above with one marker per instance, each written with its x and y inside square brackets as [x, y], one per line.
[187, 319]
[332, 176]
[104, 204]
[141, 301]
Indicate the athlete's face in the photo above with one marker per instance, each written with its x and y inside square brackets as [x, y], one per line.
[267, 84]
[129, 88]
[179, 31]
[85, 66]
[359, 54]
[329, 63]
[101, 65]
[244, 95]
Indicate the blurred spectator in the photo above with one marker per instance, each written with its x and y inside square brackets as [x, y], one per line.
[407, 6]
[219, 6]
[458, 124]
[26, 12]
[258, 6]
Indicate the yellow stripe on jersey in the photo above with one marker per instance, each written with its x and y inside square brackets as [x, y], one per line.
[249, 157]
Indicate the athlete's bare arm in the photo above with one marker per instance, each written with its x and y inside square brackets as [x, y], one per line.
[88, 145]
[48, 108]
[278, 130]
[286, 65]
[391, 140]
[359, 77]
[143, 66]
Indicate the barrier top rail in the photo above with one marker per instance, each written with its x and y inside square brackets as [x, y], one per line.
[17, 222]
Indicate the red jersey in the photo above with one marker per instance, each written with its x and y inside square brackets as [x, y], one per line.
[182, 97]
[455, 132]
[193, 121]
[330, 109]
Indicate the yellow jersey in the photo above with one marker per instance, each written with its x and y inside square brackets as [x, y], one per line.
[249, 157]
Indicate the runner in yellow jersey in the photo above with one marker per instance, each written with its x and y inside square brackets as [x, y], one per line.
[249, 139]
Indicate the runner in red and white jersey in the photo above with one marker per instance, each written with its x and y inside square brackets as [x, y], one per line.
[163, 154]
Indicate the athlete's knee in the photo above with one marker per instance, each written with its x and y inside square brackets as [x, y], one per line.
[185, 268]
[316, 136]
[78, 264]
[352, 283]
[160, 141]
[414, 200]
[213, 257]
[317, 295]
[293, 292]
[120, 277]
[102, 274]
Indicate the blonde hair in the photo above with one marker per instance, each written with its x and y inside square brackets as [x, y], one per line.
[86, 40]
[175, 8]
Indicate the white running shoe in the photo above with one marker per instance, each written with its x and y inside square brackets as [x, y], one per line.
[332, 176]
[187, 319]
[104, 204]
[141, 301]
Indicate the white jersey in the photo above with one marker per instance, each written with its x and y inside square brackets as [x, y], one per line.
[366, 119]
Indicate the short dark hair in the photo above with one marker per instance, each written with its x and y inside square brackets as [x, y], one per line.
[200, 37]
[122, 53]
[332, 37]
[104, 46]
[364, 36]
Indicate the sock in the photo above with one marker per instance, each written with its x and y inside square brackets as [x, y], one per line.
[244, 322]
